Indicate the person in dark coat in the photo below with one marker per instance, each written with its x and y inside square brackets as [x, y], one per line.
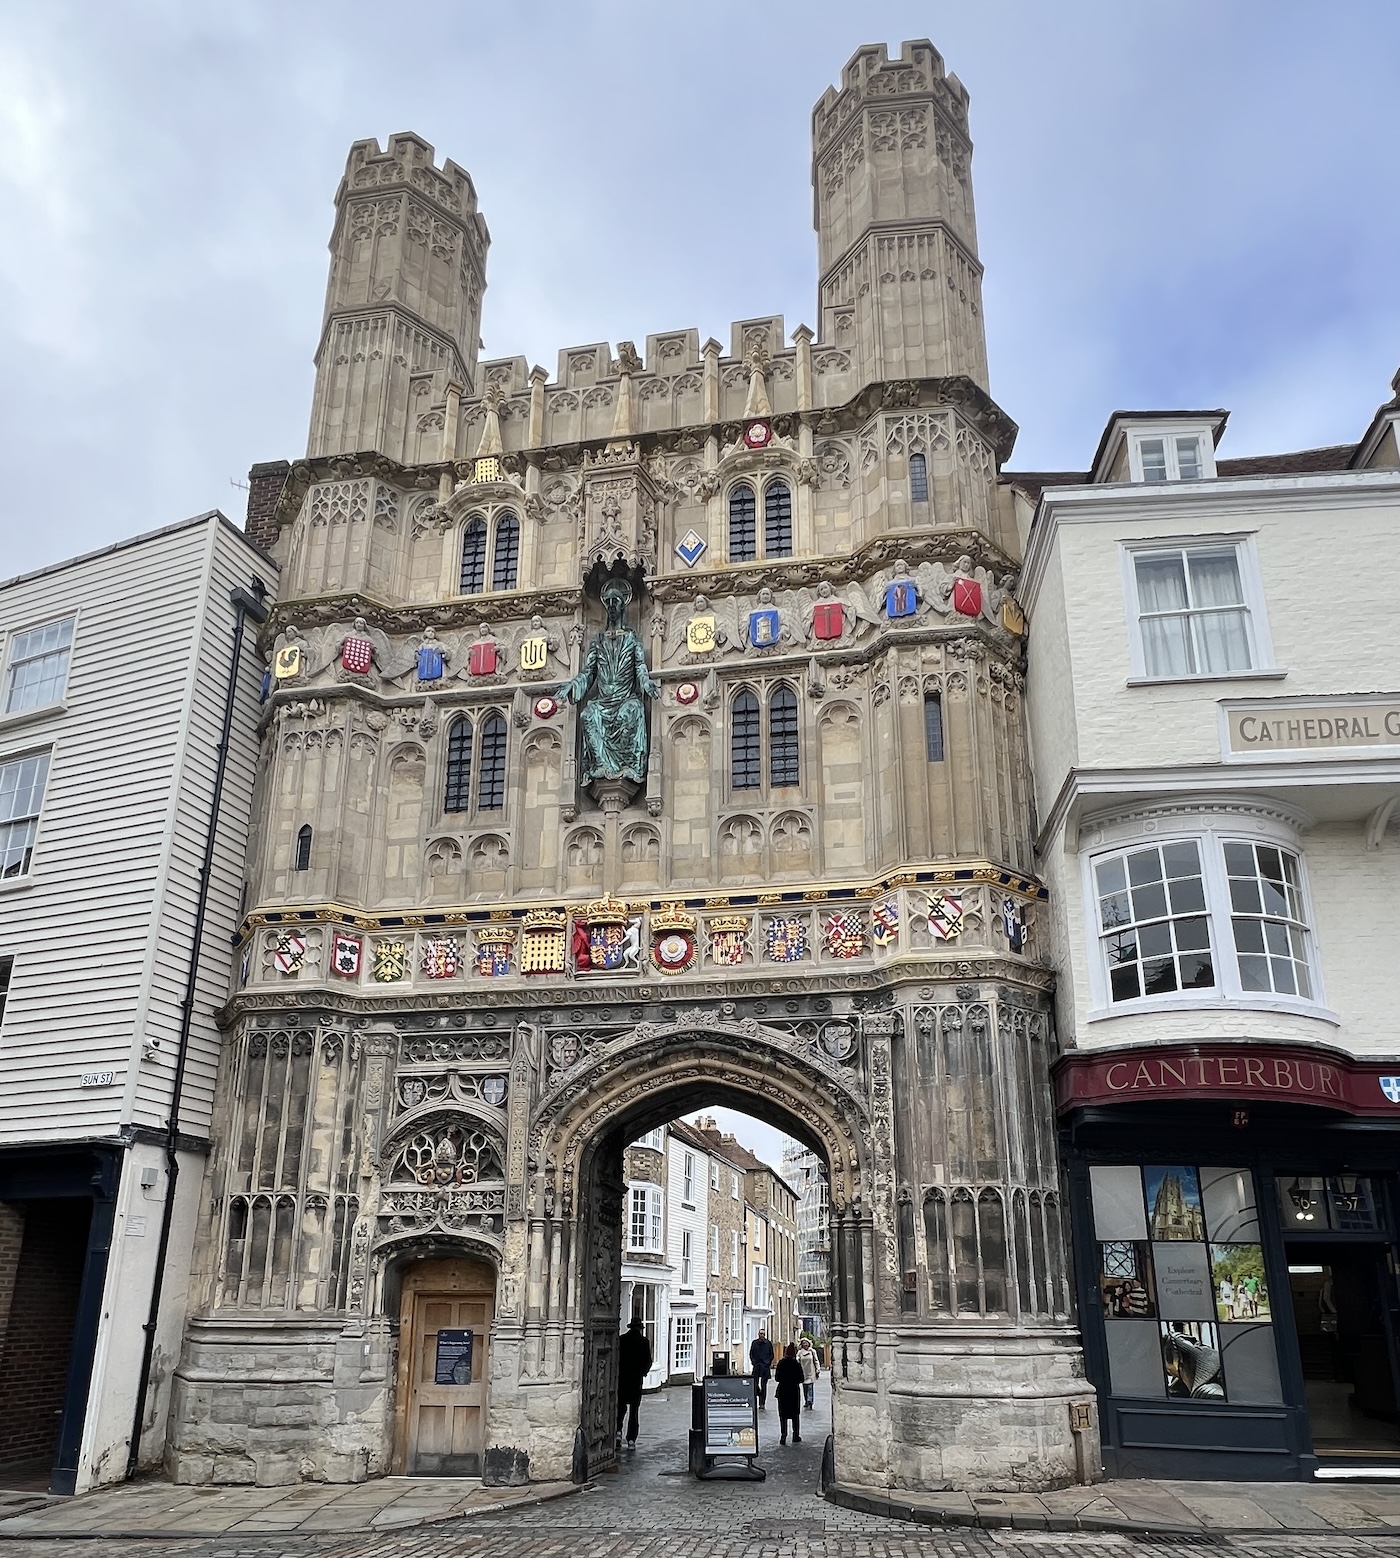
[761, 1362]
[633, 1366]
[788, 1379]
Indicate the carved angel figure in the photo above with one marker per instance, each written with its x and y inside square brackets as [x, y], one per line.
[679, 635]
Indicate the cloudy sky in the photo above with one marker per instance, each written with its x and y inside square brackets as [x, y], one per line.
[1190, 205]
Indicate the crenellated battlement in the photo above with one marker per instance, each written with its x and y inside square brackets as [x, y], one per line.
[409, 161]
[871, 74]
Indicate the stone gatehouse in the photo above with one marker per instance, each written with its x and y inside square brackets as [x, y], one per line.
[471, 974]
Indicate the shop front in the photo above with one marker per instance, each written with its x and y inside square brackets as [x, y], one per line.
[1234, 1213]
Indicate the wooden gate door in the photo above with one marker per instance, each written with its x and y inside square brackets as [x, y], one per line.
[443, 1371]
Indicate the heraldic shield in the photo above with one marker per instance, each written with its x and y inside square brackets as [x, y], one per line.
[729, 939]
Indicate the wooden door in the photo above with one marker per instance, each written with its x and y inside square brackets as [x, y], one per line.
[445, 1416]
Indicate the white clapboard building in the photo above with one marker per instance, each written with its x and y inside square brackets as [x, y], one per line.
[129, 700]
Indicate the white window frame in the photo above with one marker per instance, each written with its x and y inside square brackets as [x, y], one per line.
[714, 1249]
[55, 705]
[653, 1224]
[684, 1335]
[734, 1253]
[760, 1287]
[1261, 644]
[688, 1179]
[33, 819]
[714, 1176]
[653, 1141]
[733, 1186]
[1228, 991]
[758, 1233]
[687, 1257]
[1168, 433]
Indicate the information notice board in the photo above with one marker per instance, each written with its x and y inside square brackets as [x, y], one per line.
[731, 1415]
[453, 1363]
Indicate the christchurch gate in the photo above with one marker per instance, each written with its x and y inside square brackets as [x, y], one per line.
[639, 736]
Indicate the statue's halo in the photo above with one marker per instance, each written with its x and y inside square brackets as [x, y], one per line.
[616, 588]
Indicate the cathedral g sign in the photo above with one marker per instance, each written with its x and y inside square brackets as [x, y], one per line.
[1273, 727]
[1257, 1073]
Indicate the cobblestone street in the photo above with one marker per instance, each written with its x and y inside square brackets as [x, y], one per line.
[652, 1508]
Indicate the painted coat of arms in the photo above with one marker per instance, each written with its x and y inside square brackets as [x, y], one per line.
[945, 916]
[1013, 924]
[673, 938]
[845, 934]
[390, 961]
[785, 939]
[356, 654]
[606, 938]
[494, 946]
[543, 942]
[884, 923]
[345, 955]
[289, 952]
[729, 939]
[442, 958]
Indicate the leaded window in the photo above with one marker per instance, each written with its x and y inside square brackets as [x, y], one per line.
[777, 519]
[933, 727]
[457, 795]
[474, 557]
[782, 738]
[505, 560]
[303, 855]
[491, 781]
[918, 479]
[743, 524]
[744, 744]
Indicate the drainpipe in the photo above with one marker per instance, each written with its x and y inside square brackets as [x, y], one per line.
[247, 602]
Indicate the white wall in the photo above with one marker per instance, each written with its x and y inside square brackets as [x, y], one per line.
[100, 928]
[1140, 746]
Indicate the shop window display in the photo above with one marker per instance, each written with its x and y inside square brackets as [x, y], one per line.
[1182, 1283]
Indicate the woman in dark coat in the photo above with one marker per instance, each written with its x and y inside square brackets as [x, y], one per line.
[788, 1379]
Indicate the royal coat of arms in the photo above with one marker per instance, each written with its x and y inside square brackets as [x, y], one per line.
[729, 939]
[945, 916]
[390, 961]
[356, 654]
[845, 934]
[673, 938]
[606, 938]
[884, 924]
[494, 946]
[288, 951]
[543, 942]
[785, 939]
[345, 955]
[442, 958]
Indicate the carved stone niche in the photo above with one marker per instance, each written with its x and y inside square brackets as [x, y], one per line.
[619, 512]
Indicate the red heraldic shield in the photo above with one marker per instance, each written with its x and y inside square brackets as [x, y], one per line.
[828, 619]
[356, 654]
[967, 597]
[481, 661]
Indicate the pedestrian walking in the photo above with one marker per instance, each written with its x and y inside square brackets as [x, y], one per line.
[633, 1366]
[811, 1362]
[761, 1362]
[788, 1379]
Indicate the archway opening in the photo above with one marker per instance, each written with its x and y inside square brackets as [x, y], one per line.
[632, 1219]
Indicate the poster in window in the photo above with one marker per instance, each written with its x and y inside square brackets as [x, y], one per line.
[1241, 1291]
[1173, 1203]
[1191, 1360]
[1126, 1285]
